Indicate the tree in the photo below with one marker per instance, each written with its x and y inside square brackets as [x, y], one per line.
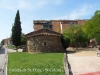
[2, 42]
[65, 41]
[76, 35]
[92, 27]
[23, 39]
[16, 31]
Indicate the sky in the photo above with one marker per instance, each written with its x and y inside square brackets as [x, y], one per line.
[43, 10]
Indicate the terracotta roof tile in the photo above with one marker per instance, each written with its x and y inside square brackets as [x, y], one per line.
[43, 32]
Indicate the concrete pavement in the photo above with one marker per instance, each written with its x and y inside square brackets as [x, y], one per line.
[84, 62]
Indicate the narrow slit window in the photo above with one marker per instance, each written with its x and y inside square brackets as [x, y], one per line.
[44, 43]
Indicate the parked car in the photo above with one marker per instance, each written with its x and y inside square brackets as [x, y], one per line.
[0, 46]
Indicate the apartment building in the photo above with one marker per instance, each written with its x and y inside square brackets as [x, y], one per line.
[55, 25]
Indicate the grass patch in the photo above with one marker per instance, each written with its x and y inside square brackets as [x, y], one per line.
[35, 64]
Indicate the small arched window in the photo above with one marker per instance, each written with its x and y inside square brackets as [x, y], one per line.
[44, 43]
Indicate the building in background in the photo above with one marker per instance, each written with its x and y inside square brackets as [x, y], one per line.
[55, 25]
[7, 42]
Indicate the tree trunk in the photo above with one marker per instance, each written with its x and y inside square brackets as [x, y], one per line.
[16, 48]
[73, 45]
[76, 46]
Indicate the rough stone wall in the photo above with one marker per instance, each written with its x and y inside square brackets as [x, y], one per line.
[44, 43]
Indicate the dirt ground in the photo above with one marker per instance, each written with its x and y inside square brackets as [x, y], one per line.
[84, 61]
[83, 51]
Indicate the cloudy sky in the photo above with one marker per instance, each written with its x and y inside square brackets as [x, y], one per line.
[42, 9]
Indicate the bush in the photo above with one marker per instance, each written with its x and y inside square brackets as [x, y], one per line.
[65, 42]
[11, 47]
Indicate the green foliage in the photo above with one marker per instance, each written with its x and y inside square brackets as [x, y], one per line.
[16, 30]
[35, 64]
[75, 33]
[92, 27]
[69, 33]
[80, 35]
[23, 39]
[65, 41]
[2, 42]
[10, 47]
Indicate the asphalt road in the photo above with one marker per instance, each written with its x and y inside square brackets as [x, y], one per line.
[2, 59]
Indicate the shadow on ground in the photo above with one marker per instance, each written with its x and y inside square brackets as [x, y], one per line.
[71, 50]
[69, 66]
[70, 71]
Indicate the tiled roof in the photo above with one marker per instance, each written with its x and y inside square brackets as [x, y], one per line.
[43, 32]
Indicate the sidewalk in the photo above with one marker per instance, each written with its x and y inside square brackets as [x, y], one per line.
[84, 62]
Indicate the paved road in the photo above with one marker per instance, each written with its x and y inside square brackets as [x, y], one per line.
[2, 56]
[2, 60]
[84, 62]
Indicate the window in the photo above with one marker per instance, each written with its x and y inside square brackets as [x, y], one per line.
[50, 26]
[44, 22]
[71, 22]
[35, 22]
[46, 26]
[44, 43]
[75, 23]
